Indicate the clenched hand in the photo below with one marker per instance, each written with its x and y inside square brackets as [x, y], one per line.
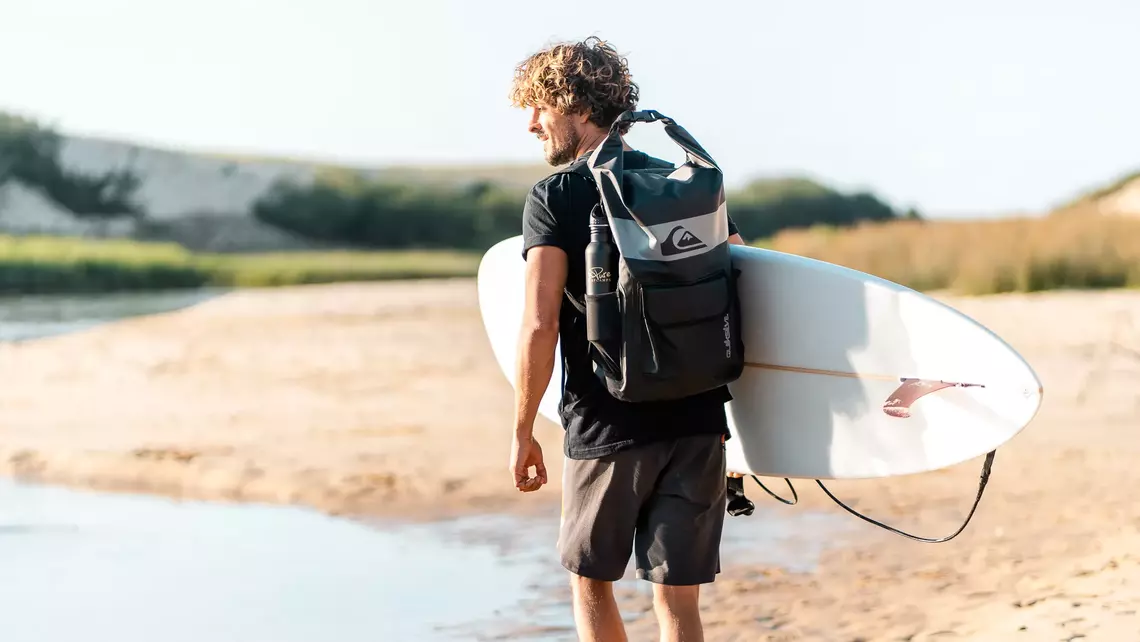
[525, 452]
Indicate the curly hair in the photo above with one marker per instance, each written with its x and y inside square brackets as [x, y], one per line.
[575, 77]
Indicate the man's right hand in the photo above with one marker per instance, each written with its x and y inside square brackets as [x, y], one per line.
[525, 452]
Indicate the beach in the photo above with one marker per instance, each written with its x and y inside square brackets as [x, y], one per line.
[384, 400]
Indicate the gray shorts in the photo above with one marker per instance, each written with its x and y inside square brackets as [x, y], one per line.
[664, 502]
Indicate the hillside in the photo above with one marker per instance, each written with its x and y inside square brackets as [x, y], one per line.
[65, 185]
[178, 182]
[1121, 197]
[203, 201]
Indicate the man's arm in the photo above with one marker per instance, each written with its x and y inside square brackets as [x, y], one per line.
[734, 233]
[546, 268]
[538, 336]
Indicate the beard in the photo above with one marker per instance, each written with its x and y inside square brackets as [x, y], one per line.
[562, 147]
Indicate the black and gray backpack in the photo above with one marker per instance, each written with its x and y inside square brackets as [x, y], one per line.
[662, 313]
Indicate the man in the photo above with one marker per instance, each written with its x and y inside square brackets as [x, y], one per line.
[644, 478]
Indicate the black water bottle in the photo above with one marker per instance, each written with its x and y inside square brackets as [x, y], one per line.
[601, 281]
[600, 256]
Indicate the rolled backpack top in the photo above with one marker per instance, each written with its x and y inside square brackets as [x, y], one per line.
[664, 323]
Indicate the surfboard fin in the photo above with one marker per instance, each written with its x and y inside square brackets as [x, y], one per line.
[898, 404]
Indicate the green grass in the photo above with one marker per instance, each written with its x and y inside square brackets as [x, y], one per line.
[325, 267]
[42, 265]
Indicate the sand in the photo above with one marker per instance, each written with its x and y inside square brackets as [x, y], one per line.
[384, 400]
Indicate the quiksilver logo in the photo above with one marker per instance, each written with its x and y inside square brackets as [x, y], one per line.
[680, 241]
[727, 339]
[599, 275]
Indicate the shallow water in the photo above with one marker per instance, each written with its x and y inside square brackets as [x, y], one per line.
[90, 566]
[32, 317]
[786, 537]
[77, 565]
[84, 565]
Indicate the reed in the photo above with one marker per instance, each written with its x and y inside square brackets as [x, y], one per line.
[982, 257]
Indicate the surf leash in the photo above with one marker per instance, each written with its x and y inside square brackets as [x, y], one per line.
[795, 497]
[740, 505]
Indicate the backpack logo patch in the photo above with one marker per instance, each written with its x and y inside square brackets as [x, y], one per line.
[680, 241]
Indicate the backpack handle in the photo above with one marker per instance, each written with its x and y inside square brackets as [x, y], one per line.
[693, 150]
[643, 116]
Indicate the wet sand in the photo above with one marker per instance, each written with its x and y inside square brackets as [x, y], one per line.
[383, 399]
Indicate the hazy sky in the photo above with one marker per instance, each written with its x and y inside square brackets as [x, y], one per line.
[959, 108]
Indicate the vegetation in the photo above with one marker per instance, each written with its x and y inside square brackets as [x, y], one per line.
[398, 227]
[468, 209]
[43, 265]
[765, 207]
[970, 257]
[348, 209]
[30, 152]
[982, 257]
[345, 208]
[295, 268]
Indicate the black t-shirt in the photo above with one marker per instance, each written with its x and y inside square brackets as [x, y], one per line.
[557, 212]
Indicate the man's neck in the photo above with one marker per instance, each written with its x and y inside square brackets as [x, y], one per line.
[591, 142]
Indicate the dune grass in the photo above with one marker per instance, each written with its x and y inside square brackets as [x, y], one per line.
[41, 265]
[982, 256]
[968, 257]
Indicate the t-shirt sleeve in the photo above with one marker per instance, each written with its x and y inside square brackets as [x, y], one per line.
[732, 226]
[540, 224]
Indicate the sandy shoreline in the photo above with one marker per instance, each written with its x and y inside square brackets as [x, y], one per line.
[345, 398]
[383, 399]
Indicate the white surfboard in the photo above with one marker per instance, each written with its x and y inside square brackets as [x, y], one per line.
[848, 376]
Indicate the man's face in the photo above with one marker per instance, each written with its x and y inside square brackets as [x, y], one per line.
[560, 135]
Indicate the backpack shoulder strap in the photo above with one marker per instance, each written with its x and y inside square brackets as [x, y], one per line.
[580, 168]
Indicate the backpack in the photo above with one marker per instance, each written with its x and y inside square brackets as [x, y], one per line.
[661, 305]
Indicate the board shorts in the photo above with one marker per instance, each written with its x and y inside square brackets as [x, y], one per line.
[663, 502]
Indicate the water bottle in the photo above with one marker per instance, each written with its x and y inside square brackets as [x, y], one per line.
[602, 321]
[600, 256]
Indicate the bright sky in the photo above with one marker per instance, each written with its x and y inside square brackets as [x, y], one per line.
[965, 108]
